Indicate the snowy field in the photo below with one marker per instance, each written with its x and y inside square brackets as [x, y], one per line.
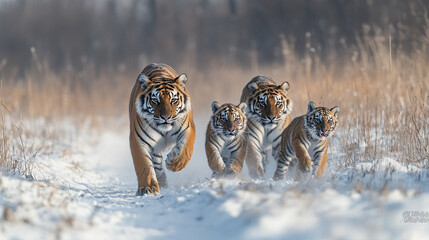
[84, 188]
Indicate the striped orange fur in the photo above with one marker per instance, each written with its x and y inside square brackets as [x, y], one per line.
[160, 122]
[226, 139]
[306, 139]
[268, 109]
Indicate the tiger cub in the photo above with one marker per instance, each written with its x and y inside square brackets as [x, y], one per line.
[306, 138]
[225, 139]
[268, 109]
[160, 122]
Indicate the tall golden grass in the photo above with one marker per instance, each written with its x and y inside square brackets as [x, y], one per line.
[383, 93]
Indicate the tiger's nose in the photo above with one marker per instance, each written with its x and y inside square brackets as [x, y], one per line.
[271, 117]
[230, 130]
[165, 117]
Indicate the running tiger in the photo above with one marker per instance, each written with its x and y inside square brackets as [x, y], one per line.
[306, 138]
[160, 121]
[268, 115]
[225, 139]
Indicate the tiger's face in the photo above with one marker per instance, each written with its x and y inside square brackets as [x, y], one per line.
[270, 104]
[163, 102]
[321, 122]
[228, 120]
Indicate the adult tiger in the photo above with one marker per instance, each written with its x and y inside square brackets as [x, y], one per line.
[225, 139]
[160, 121]
[268, 109]
[306, 138]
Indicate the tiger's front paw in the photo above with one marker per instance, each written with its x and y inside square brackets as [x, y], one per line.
[228, 172]
[172, 155]
[148, 190]
[176, 161]
[218, 174]
[233, 170]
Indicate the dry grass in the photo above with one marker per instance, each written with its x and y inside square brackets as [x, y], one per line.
[383, 94]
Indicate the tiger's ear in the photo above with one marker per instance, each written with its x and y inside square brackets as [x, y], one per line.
[335, 109]
[143, 80]
[182, 78]
[215, 106]
[311, 107]
[242, 107]
[285, 86]
[252, 88]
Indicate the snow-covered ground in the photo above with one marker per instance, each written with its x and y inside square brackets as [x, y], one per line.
[88, 192]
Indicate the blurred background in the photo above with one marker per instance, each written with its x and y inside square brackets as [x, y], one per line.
[109, 35]
[78, 59]
[81, 42]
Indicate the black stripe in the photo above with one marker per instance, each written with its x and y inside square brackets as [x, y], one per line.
[290, 149]
[282, 158]
[156, 155]
[164, 86]
[254, 126]
[302, 141]
[277, 138]
[253, 134]
[156, 130]
[305, 138]
[234, 147]
[182, 110]
[287, 154]
[177, 131]
[271, 131]
[183, 132]
[316, 155]
[320, 147]
[158, 168]
[142, 129]
[157, 163]
[214, 143]
[235, 150]
[233, 143]
[158, 70]
[140, 137]
[275, 148]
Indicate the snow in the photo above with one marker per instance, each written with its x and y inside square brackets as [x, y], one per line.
[89, 192]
